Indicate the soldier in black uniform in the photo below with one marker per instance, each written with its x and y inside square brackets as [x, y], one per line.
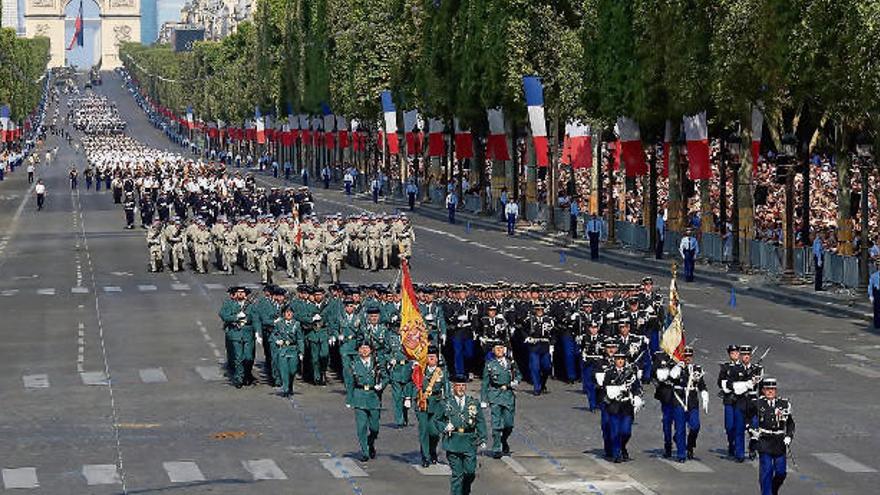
[754, 373]
[540, 338]
[610, 349]
[688, 387]
[146, 210]
[633, 345]
[162, 207]
[493, 330]
[728, 397]
[773, 433]
[128, 206]
[743, 380]
[591, 361]
[663, 392]
[623, 400]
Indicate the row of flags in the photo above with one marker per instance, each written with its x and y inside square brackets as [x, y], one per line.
[9, 130]
[330, 130]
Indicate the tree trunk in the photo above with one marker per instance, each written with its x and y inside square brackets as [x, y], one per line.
[745, 198]
[844, 194]
[651, 210]
[675, 207]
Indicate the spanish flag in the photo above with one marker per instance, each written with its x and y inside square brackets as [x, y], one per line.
[413, 333]
[672, 340]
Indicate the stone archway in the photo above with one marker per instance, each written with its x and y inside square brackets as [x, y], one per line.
[120, 22]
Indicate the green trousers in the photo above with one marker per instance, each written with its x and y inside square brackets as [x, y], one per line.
[367, 424]
[464, 471]
[239, 357]
[288, 365]
[319, 353]
[429, 434]
[400, 391]
[502, 425]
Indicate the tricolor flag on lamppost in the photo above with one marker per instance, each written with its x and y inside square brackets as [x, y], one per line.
[578, 137]
[329, 125]
[260, 126]
[630, 147]
[696, 131]
[4, 123]
[496, 143]
[464, 141]
[411, 132]
[435, 137]
[189, 116]
[534, 92]
[757, 130]
[389, 111]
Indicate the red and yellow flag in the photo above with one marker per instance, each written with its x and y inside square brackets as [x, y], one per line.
[413, 333]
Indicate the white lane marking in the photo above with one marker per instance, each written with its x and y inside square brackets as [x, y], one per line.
[8, 292]
[433, 469]
[153, 375]
[799, 368]
[690, 466]
[858, 357]
[771, 331]
[749, 324]
[94, 378]
[264, 469]
[827, 348]
[81, 347]
[147, 288]
[207, 336]
[25, 477]
[179, 286]
[183, 471]
[738, 319]
[112, 288]
[209, 373]
[859, 370]
[514, 465]
[343, 467]
[844, 463]
[215, 286]
[714, 312]
[799, 340]
[38, 380]
[46, 292]
[79, 290]
[101, 474]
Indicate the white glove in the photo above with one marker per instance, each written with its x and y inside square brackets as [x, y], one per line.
[637, 403]
[639, 374]
[552, 348]
[514, 384]
[724, 386]
[600, 377]
[449, 427]
[786, 441]
[613, 391]
[279, 342]
[483, 446]
[377, 386]
[574, 316]
[662, 374]
[240, 315]
[740, 388]
[484, 405]
[317, 317]
[443, 339]
[705, 396]
[259, 339]
[300, 357]
[332, 341]
[675, 372]
[529, 340]
[407, 403]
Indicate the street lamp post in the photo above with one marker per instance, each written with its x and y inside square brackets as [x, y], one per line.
[863, 152]
[786, 164]
[733, 149]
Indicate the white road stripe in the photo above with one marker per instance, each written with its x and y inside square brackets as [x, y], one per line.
[689, 466]
[215, 286]
[343, 467]
[8, 292]
[112, 288]
[827, 348]
[859, 370]
[433, 469]
[264, 469]
[179, 286]
[153, 375]
[209, 373]
[771, 331]
[147, 288]
[46, 292]
[183, 471]
[39, 380]
[749, 324]
[25, 477]
[800, 340]
[799, 368]
[101, 474]
[858, 357]
[79, 290]
[94, 378]
[844, 463]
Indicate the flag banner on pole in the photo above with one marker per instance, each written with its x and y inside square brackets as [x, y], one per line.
[77, 29]
[667, 147]
[673, 339]
[305, 133]
[464, 141]
[189, 116]
[534, 92]
[317, 133]
[329, 126]
[757, 130]
[342, 131]
[630, 149]
[579, 139]
[260, 126]
[496, 144]
[696, 131]
[389, 111]
[413, 334]
[436, 145]
[411, 132]
[4, 123]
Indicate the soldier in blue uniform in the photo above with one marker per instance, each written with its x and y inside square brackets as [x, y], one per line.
[591, 362]
[689, 388]
[773, 433]
[540, 337]
[610, 348]
[689, 249]
[663, 392]
[623, 400]
[725, 385]
[874, 294]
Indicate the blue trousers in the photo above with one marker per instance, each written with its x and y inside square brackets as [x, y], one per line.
[647, 367]
[588, 379]
[511, 223]
[771, 473]
[375, 195]
[666, 420]
[462, 352]
[684, 421]
[606, 428]
[621, 430]
[689, 265]
[729, 422]
[451, 209]
[569, 356]
[539, 365]
[739, 433]
[98, 185]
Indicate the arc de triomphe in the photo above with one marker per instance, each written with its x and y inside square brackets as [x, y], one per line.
[120, 22]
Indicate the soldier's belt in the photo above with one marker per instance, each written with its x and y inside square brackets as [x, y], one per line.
[499, 387]
[463, 430]
[763, 431]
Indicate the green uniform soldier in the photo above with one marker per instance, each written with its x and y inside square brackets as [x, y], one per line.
[239, 332]
[367, 383]
[374, 332]
[317, 337]
[500, 377]
[348, 335]
[465, 433]
[290, 343]
[267, 310]
[430, 413]
[400, 370]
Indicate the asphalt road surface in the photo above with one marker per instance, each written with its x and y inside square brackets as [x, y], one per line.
[111, 380]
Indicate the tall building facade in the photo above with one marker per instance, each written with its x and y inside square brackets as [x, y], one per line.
[10, 17]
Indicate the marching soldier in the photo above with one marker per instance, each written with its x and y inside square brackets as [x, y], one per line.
[367, 383]
[465, 433]
[665, 395]
[430, 407]
[317, 336]
[386, 242]
[754, 373]
[239, 333]
[610, 348]
[500, 378]
[128, 206]
[336, 248]
[290, 343]
[400, 370]
[744, 379]
[311, 259]
[435, 319]
[156, 244]
[493, 330]
[623, 400]
[201, 239]
[689, 249]
[591, 362]
[689, 388]
[175, 241]
[263, 254]
[540, 339]
[773, 434]
[348, 336]
[725, 385]
[147, 210]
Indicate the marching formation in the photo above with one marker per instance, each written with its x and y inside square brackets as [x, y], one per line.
[608, 336]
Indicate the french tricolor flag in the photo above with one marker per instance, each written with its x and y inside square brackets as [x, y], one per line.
[696, 131]
[411, 132]
[580, 144]
[189, 117]
[464, 141]
[4, 123]
[436, 145]
[305, 133]
[630, 147]
[389, 111]
[757, 130]
[496, 144]
[342, 131]
[534, 91]
[329, 126]
[260, 126]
